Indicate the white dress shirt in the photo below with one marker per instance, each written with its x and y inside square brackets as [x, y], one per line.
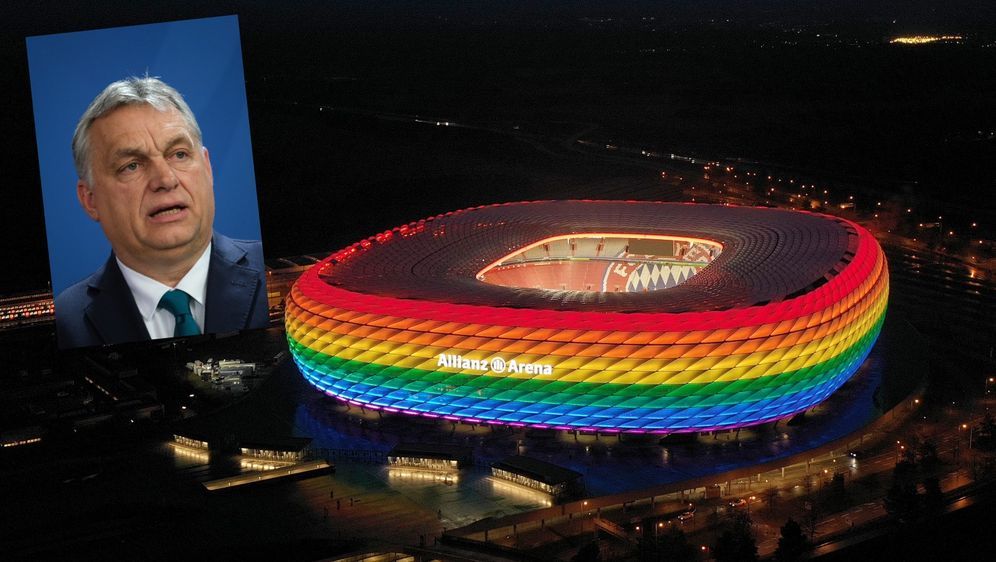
[147, 293]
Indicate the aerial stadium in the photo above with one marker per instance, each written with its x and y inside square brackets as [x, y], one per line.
[610, 316]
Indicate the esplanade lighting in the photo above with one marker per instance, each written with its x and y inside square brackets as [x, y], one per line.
[594, 315]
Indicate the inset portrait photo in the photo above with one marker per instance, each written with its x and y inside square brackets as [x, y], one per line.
[147, 182]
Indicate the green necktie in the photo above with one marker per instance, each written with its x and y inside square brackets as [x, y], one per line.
[178, 303]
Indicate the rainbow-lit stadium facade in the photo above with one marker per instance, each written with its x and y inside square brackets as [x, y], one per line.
[778, 320]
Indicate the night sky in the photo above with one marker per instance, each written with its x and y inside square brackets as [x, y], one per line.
[810, 84]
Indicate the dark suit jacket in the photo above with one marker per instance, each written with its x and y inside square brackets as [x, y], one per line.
[100, 309]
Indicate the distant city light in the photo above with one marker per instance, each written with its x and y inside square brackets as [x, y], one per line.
[924, 39]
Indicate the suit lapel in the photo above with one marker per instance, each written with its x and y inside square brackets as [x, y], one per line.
[112, 312]
[231, 287]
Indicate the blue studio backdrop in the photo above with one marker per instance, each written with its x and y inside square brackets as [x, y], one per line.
[202, 59]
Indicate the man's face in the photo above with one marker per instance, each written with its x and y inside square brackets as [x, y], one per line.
[152, 188]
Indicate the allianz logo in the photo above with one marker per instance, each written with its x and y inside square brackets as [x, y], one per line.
[495, 364]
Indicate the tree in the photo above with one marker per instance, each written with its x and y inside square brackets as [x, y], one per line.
[588, 553]
[904, 474]
[902, 502]
[835, 488]
[927, 452]
[736, 544]
[933, 498]
[771, 496]
[810, 517]
[672, 545]
[985, 433]
[792, 543]
[988, 424]
[909, 455]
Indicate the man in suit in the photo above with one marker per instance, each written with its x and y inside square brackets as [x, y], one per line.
[146, 177]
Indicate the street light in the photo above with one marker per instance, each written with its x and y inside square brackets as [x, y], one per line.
[971, 430]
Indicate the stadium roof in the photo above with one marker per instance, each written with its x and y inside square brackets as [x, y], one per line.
[769, 255]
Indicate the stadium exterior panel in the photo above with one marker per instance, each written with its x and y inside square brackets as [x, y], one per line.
[721, 317]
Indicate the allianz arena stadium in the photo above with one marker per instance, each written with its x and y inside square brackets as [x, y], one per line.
[594, 315]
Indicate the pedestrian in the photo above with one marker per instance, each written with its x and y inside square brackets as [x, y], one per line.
[331, 493]
[338, 504]
[350, 501]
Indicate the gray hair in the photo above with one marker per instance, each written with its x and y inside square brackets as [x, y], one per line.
[130, 91]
